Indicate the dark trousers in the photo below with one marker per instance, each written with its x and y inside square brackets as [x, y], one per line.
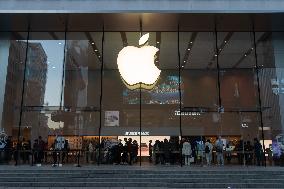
[56, 157]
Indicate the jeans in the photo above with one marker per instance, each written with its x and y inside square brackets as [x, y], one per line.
[186, 159]
[220, 158]
[208, 157]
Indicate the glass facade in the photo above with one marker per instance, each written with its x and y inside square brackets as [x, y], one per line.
[62, 99]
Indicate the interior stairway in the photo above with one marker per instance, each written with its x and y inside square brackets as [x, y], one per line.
[162, 178]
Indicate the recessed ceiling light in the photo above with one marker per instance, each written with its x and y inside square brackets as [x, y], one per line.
[96, 50]
[190, 41]
[225, 41]
[245, 55]
[252, 48]
[93, 43]
[188, 49]
[99, 56]
[59, 43]
[158, 42]
[215, 55]
[184, 61]
[53, 67]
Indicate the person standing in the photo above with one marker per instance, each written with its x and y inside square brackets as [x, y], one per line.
[124, 152]
[55, 153]
[150, 151]
[129, 151]
[41, 145]
[66, 149]
[166, 151]
[186, 152]
[208, 152]
[219, 151]
[90, 152]
[257, 151]
[134, 152]
[119, 151]
[156, 152]
[36, 151]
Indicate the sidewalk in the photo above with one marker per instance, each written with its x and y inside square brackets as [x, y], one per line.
[144, 167]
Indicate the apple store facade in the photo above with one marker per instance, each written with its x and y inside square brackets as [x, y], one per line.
[219, 75]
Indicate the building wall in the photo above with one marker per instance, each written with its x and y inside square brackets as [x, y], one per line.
[142, 6]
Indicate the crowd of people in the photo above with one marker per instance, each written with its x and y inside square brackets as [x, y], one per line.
[25, 151]
[175, 151]
[204, 150]
[115, 151]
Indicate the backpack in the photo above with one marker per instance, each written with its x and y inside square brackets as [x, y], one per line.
[207, 150]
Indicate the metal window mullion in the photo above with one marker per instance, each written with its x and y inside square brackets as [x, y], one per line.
[22, 96]
[101, 95]
[179, 89]
[259, 96]
[218, 74]
[63, 70]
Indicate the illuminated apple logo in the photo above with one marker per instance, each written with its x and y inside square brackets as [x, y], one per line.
[136, 65]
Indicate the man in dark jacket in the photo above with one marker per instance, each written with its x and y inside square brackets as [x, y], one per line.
[257, 151]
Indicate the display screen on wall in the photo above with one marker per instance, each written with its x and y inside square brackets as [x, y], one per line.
[166, 91]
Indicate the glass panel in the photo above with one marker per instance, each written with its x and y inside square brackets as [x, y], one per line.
[160, 105]
[82, 90]
[120, 107]
[197, 50]
[12, 60]
[199, 85]
[270, 53]
[199, 88]
[239, 89]
[243, 131]
[236, 49]
[42, 93]
[237, 132]
[199, 93]
[196, 127]
[44, 69]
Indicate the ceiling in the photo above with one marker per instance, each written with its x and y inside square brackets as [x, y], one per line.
[235, 51]
[196, 45]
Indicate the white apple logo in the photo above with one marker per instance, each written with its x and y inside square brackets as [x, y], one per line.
[136, 65]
